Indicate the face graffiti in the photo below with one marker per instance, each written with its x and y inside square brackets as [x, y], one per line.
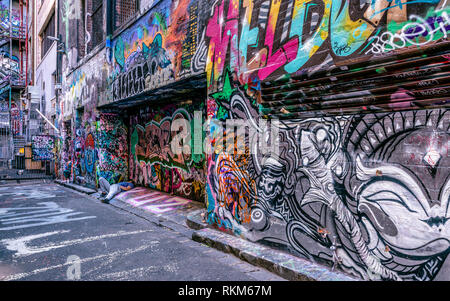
[417, 198]
[367, 193]
[374, 198]
[271, 183]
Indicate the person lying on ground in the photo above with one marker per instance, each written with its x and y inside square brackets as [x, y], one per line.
[112, 190]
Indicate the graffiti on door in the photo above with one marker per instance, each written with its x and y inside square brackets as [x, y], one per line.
[153, 163]
[112, 148]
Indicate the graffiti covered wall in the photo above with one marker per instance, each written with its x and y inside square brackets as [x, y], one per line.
[4, 18]
[82, 91]
[163, 46]
[367, 193]
[42, 147]
[152, 162]
[10, 19]
[278, 37]
[9, 69]
[112, 148]
[85, 86]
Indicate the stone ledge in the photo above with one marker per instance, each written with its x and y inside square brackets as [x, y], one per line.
[76, 187]
[285, 265]
[195, 220]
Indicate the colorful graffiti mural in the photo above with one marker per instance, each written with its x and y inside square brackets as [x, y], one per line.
[278, 37]
[161, 47]
[153, 163]
[361, 92]
[112, 148]
[4, 20]
[365, 193]
[16, 120]
[83, 89]
[42, 147]
[373, 186]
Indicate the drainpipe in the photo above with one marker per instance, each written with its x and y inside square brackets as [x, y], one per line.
[10, 51]
[60, 49]
[109, 29]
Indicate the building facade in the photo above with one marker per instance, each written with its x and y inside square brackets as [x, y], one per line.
[46, 14]
[354, 95]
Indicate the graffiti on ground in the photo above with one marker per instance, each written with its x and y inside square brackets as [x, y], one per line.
[46, 213]
[153, 201]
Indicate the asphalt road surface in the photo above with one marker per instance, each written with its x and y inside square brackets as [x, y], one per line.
[48, 232]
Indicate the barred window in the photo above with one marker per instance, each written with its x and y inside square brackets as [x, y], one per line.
[124, 10]
[49, 31]
[97, 23]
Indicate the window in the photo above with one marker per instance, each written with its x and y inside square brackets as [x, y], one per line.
[49, 31]
[97, 23]
[33, 113]
[123, 11]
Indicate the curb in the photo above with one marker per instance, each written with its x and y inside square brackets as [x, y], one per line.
[26, 181]
[283, 264]
[196, 221]
[76, 187]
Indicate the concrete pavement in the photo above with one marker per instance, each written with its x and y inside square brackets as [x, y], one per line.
[50, 232]
[186, 217]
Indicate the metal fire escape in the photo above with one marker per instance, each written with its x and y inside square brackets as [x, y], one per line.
[14, 77]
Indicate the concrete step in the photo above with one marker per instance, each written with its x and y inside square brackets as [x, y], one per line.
[283, 264]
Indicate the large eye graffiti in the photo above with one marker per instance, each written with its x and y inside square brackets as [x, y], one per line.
[398, 209]
[398, 187]
[259, 219]
[412, 237]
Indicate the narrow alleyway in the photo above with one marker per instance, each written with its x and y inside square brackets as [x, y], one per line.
[49, 232]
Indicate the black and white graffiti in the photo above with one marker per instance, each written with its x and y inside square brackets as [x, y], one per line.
[366, 193]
